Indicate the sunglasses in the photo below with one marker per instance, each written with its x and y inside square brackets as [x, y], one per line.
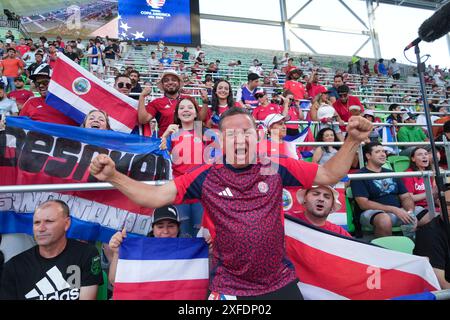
[123, 84]
[257, 96]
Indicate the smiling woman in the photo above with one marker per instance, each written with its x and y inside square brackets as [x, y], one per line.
[96, 119]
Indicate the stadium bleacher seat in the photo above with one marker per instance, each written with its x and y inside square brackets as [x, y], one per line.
[399, 163]
[396, 243]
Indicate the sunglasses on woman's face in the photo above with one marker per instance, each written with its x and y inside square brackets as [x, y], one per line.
[123, 84]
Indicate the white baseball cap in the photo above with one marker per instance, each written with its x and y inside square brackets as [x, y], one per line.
[274, 118]
[336, 203]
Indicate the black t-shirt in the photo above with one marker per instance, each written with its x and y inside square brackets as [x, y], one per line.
[136, 89]
[30, 276]
[72, 55]
[431, 242]
[110, 55]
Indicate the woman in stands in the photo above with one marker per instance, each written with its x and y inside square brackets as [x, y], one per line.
[275, 145]
[187, 149]
[419, 161]
[221, 100]
[96, 119]
[324, 153]
[294, 113]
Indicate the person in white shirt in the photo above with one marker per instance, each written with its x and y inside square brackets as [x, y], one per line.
[256, 68]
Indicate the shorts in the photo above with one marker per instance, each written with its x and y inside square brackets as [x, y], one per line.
[96, 68]
[367, 216]
[110, 62]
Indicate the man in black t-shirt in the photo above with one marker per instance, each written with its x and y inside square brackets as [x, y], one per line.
[57, 268]
[110, 55]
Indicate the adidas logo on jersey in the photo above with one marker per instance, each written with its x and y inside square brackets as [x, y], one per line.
[226, 193]
[53, 287]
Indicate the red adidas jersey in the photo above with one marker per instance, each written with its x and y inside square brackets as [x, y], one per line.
[38, 110]
[187, 151]
[163, 110]
[245, 212]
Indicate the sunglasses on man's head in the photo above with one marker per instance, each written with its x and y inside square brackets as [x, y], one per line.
[123, 84]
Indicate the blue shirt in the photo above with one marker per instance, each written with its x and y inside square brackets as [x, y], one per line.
[384, 191]
[166, 61]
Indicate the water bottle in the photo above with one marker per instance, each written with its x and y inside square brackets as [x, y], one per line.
[408, 230]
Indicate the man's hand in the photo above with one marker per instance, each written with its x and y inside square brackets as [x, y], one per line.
[359, 128]
[403, 215]
[102, 167]
[146, 91]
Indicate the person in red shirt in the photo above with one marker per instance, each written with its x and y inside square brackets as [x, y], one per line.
[313, 87]
[294, 113]
[22, 47]
[37, 109]
[292, 84]
[266, 107]
[290, 66]
[11, 67]
[344, 102]
[242, 205]
[221, 101]
[21, 95]
[163, 109]
[319, 202]
[187, 148]
[419, 161]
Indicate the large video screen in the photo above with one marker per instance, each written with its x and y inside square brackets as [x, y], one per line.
[172, 21]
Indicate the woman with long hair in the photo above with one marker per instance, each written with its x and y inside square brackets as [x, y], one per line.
[324, 153]
[221, 101]
[187, 149]
[419, 161]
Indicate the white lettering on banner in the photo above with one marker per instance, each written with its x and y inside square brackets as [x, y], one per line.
[80, 208]
[419, 187]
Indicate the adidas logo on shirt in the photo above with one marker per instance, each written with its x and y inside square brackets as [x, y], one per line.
[53, 287]
[226, 193]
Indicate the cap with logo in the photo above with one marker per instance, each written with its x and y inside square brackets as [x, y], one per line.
[43, 70]
[165, 213]
[274, 118]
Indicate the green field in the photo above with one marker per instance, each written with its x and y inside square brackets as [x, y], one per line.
[32, 7]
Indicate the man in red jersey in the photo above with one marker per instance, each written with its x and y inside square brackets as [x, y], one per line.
[242, 202]
[21, 95]
[344, 102]
[36, 108]
[319, 202]
[163, 109]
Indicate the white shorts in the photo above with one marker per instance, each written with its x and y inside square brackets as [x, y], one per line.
[96, 68]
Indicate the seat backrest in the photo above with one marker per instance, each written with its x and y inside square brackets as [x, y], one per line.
[396, 243]
[399, 163]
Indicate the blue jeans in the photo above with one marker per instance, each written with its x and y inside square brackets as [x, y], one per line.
[10, 84]
[191, 217]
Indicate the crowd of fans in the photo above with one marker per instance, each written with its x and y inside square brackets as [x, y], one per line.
[177, 89]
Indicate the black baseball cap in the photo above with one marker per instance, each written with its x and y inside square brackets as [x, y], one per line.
[253, 77]
[343, 89]
[166, 213]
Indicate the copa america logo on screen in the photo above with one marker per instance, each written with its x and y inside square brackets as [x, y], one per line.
[156, 4]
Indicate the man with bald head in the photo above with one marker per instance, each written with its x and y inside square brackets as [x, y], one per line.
[56, 268]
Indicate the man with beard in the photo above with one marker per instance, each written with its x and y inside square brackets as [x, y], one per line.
[319, 202]
[11, 67]
[36, 108]
[163, 109]
[21, 95]
[343, 104]
[135, 76]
